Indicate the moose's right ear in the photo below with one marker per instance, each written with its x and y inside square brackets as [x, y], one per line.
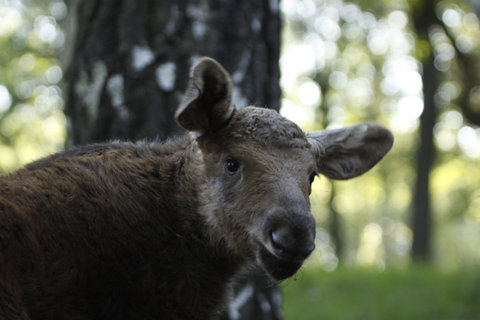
[206, 104]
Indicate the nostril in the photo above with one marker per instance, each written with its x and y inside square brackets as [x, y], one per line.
[277, 241]
[288, 246]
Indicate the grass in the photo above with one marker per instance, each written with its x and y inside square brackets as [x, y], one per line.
[351, 294]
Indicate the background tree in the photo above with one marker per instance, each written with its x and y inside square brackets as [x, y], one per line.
[423, 21]
[127, 63]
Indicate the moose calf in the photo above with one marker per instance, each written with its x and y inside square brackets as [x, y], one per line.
[157, 230]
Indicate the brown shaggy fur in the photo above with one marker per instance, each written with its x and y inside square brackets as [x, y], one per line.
[99, 234]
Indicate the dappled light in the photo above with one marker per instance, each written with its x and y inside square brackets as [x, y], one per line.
[371, 252]
[32, 123]
[469, 141]
[5, 99]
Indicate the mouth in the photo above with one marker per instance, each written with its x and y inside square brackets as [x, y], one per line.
[277, 268]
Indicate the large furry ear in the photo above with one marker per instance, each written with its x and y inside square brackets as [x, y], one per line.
[349, 152]
[206, 103]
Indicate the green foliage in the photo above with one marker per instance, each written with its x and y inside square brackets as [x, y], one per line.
[31, 121]
[397, 294]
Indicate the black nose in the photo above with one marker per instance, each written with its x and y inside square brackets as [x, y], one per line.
[294, 240]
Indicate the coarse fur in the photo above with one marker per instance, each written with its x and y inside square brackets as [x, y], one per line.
[125, 230]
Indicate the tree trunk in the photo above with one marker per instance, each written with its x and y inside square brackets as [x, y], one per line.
[421, 218]
[127, 63]
[425, 156]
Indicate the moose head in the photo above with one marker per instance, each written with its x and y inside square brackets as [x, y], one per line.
[259, 168]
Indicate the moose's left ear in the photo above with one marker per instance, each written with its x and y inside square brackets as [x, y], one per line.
[206, 103]
[349, 152]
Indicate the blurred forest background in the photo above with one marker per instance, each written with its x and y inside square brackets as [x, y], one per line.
[412, 65]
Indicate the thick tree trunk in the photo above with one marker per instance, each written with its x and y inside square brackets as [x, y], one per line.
[127, 63]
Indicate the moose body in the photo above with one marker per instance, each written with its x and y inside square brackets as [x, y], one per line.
[153, 230]
[100, 233]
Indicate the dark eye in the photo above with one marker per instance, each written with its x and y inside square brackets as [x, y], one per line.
[311, 178]
[232, 166]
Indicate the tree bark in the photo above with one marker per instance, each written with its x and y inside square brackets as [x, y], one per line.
[127, 63]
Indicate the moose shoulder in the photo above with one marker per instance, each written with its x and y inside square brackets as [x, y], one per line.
[157, 230]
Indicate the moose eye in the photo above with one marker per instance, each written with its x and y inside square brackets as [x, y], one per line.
[232, 166]
[311, 178]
